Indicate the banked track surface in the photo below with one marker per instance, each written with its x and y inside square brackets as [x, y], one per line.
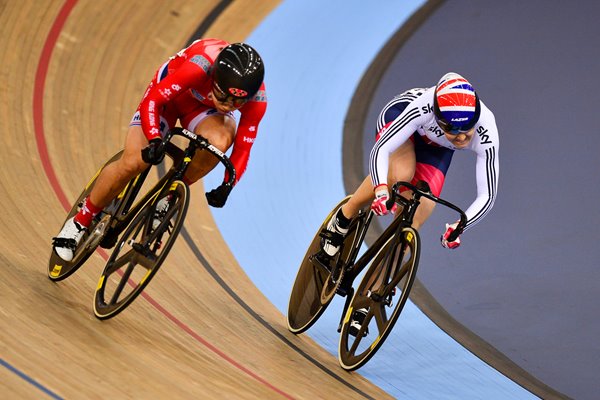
[73, 74]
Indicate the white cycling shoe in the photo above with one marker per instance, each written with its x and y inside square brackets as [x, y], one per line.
[332, 246]
[66, 242]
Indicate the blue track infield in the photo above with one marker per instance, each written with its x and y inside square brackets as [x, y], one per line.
[315, 55]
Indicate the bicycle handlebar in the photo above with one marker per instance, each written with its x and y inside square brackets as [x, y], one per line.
[203, 143]
[422, 190]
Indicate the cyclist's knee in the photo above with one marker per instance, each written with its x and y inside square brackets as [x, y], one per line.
[131, 165]
[131, 162]
[223, 142]
[221, 138]
[219, 130]
[423, 212]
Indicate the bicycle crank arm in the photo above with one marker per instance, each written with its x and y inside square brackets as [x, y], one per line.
[97, 234]
[346, 305]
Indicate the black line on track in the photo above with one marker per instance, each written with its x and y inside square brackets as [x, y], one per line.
[209, 20]
[254, 314]
[204, 26]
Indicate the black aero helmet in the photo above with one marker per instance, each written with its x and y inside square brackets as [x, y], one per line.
[238, 71]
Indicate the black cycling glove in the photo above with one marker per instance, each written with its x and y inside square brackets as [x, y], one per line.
[154, 153]
[217, 197]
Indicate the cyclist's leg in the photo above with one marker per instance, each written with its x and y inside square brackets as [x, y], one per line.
[220, 131]
[108, 184]
[115, 176]
[432, 163]
[401, 167]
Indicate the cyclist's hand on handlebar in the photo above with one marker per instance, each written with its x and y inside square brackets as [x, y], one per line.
[444, 239]
[382, 195]
[217, 197]
[154, 153]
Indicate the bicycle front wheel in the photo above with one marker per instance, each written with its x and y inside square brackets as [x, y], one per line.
[316, 283]
[379, 299]
[140, 252]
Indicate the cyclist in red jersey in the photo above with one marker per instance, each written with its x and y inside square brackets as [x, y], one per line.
[201, 87]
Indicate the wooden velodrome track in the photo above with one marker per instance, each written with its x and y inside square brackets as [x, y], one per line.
[73, 73]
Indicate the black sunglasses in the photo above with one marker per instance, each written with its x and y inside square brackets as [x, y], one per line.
[451, 129]
[223, 97]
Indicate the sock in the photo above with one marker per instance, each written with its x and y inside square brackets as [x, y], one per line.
[342, 221]
[87, 213]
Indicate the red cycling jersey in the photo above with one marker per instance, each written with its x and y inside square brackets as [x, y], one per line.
[180, 90]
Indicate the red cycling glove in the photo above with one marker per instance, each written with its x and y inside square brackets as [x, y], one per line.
[449, 229]
[382, 196]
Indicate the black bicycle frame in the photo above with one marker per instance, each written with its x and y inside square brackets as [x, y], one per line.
[124, 213]
[396, 225]
[405, 219]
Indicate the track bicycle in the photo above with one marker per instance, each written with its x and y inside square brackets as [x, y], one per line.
[371, 310]
[141, 235]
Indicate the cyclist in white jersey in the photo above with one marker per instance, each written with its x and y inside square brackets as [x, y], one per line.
[417, 134]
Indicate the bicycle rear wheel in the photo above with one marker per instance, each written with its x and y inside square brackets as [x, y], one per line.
[140, 252]
[315, 284]
[380, 298]
[59, 269]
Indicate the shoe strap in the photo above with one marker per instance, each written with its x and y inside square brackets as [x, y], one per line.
[67, 243]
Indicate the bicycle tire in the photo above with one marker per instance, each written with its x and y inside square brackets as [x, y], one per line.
[59, 269]
[352, 352]
[140, 248]
[313, 289]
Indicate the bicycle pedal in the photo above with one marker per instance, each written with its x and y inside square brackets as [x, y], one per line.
[353, 331]
[143, 250]
[326, 234]
[389, 298]
[342, 291]
[374, 296]
[345, 288]
[356, 322]
[321, 260]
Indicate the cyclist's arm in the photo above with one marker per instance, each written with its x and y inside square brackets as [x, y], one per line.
[487, 185]
[188, 75]
[252, 113]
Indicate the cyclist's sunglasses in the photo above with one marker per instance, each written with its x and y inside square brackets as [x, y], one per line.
[223, 97]
[451, 129]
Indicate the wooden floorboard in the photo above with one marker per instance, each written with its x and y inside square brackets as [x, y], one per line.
[204, 330]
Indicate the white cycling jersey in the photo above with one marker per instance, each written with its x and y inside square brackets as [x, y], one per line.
[418, 117]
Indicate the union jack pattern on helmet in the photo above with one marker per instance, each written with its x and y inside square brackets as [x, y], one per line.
[456, 104]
